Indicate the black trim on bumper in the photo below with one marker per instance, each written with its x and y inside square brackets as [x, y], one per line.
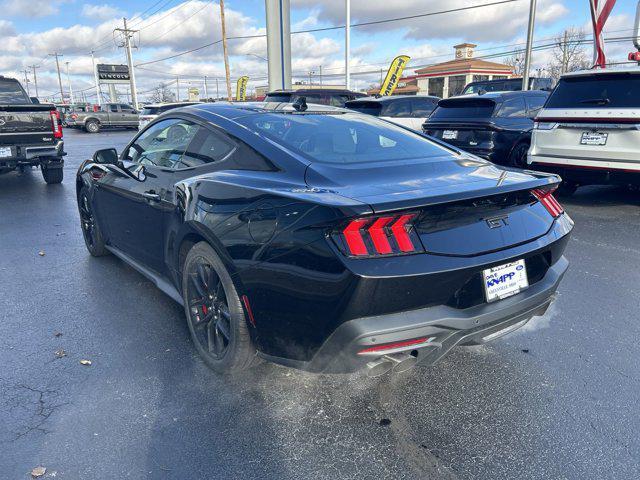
[449, 326]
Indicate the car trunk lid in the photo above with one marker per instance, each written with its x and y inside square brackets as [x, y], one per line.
[26, 124]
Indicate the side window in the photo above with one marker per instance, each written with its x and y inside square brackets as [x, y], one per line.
[163, 144]
[113, 108]
[514, 107]
[399, 108]
[206, 147]
[422, 108]
[535, 104]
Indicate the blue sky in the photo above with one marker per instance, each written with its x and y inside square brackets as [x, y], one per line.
[73, 27]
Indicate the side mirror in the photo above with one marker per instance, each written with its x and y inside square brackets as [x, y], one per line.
[107, 156]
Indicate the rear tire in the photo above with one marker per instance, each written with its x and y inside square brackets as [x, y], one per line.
[93, 238]
[567, 188]
[215, 315]
[52, 175]
[92, 126]
[518, 157]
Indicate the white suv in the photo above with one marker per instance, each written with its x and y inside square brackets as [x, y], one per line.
[589, 129]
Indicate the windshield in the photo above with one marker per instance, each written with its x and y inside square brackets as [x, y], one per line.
[278, 97]
[11, 93]
[342, 138]
[494, 86]
[463, 109]
[612, 90]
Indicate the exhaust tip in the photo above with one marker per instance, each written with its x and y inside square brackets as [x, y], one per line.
[379, 367]
[406, 362]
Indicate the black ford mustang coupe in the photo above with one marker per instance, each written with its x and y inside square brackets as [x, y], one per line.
[324, 239]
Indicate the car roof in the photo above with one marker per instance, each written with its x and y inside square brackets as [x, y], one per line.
[232, 110]
[390, 98]
[157, 105]
[337, 91]
[602, 71]
[501, 95]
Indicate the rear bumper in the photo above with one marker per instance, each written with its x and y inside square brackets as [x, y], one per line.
[51, 155]
[446, 327]
[588, 171]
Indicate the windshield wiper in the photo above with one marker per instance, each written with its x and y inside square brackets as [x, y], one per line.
[597, 101]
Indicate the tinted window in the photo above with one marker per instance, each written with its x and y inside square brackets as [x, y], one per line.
[113, 108]
[422, 108]
[278, 97]
[150, 111]
[534, 104]
[162, 144]
[341, 138]
[11, 93]
[614, 90]
[513, 107]
[463, 109]
[207, 147]
[397, 108]
[369, 108]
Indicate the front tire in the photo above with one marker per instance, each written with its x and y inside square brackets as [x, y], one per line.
[52, 175]
[93, 239]
[92, 126]
[215, 315]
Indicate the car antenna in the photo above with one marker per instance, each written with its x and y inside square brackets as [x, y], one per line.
[300, 104]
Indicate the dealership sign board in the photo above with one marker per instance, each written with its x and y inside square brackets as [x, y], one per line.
[108, 73]
[393, 75]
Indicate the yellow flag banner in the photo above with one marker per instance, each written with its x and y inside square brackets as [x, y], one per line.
[393, 75]
[241, 89]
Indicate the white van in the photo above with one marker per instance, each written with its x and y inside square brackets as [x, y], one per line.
[589, 129]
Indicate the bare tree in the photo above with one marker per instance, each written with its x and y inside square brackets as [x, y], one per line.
[516, 62]
[162, 94]
[569, 53]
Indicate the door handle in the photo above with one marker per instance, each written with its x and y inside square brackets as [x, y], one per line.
[151, 195]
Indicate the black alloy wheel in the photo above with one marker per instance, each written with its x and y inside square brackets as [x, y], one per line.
[215, 315]
[90, 230]
[518, 157]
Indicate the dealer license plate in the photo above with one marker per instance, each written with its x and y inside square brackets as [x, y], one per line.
[5, 152]
[449, 134]
[593, 138]
[505, 280]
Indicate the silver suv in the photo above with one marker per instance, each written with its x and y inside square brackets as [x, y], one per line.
[589, 129]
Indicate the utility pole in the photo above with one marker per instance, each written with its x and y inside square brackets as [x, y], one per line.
[224, 50]
[320, 75]
[128, 35]
[206, 92]
[177, 89]
[26, 81]
[217, 89]
[56, 54]
[527, 58]
[95, 77]
[35, 78]
[347, 43]
[565, 54]
[71, 101]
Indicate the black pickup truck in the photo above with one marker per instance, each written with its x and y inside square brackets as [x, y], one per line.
[30, 133]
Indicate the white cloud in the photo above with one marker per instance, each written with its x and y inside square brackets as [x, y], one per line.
[7, 29]
[101, 12]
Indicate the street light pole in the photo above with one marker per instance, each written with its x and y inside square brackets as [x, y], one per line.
[71, 101]
[527, 59]
[224, 51]
[347, 43]
[206, 92]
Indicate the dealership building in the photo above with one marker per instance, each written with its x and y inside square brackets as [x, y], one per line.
[449, 78]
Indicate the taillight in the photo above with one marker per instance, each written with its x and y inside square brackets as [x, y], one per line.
[379, 236]
[546, 198]
[56, 124]
[394, 347]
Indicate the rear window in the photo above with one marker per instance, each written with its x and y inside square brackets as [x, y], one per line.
[151, 111]
[11, 93]
[614, 90]
[463, 109]
[278, 97]
[342, 138]
[369, 108]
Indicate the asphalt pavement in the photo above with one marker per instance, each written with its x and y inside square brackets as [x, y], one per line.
[558, 399]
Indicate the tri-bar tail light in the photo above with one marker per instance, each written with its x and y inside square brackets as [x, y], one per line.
[546, 198]
[378, 236]
[56, 123]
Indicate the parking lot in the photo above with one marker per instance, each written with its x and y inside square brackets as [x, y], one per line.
[558, 399]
